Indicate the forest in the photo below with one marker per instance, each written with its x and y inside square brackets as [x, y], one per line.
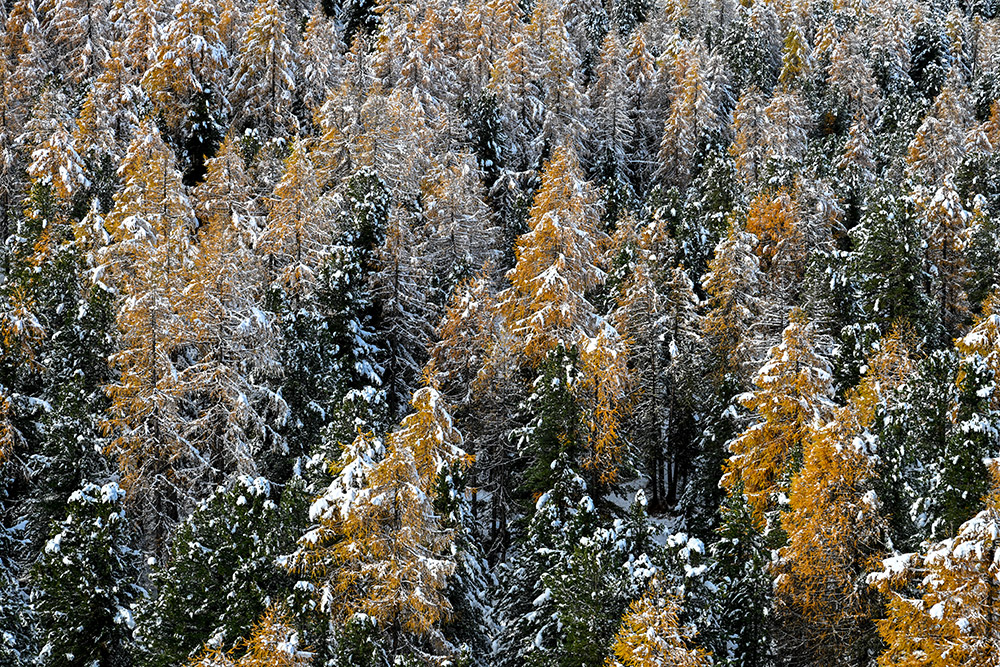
[499, 333]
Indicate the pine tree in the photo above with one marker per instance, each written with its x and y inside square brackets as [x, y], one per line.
[86, 581]
[221, 573]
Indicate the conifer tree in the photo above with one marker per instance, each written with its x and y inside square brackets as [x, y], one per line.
[186, 81]
[263, 84]
[652, 635]
[273, 642]
[885, 263]
[514, 82]
[221, 573]
[296, 236]
[733, 287]
[86, 581]
[147, 260]
[792, 398]
[950, 620]
[692, 117]
[80, 29]
[389, 555]
[835, 525]
[558, 261]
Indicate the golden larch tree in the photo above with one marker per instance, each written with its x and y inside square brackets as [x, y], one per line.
[558, 261]
[652, 635]
[835, 527]
[379, 548]
[792, 398]
[955, 620]
[148, 261]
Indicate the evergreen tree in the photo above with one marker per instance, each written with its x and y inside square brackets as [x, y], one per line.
[221, 574]
[86, 581]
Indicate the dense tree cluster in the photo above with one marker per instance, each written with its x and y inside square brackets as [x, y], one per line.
[536, 333]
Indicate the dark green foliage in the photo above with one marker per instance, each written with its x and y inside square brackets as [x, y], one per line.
[222, 572]
[85, 583]
[555, 427]
[743, 597]
[886, 263]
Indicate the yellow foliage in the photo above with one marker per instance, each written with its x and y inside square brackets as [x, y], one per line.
[955, 621]
[652, 636]
[557, 262]
[380, 549]
[603, 390]
[792, 399]
[836, 533]
[273, 642]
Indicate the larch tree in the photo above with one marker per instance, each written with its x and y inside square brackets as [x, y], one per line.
[774, 220]
[109, 116]
[273, 642]
[235, 349]
[603, 392]
[558, 261]
[946, 225]
[653, 635]
[733, 284]
[939, 144]
[657, 310]
[262, 88]
[691, 118]
[514, 82]
[402, 294]
[952, 618]
[80, 28]
[321, 59]
[186, 80]
[379, 547]
[296, 235]
[461, 235]
[612, 133]
[147, 261]
[750, 130]
[792, 398]
[565, 97]
[640, 71]
[835, 524]
[142, 37]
